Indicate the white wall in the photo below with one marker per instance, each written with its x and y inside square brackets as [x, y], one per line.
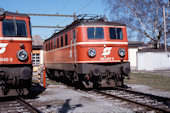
[150, 61]
[132, 57]
[41, 56]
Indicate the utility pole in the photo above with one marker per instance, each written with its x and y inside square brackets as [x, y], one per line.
[164, 29]
[74, 16]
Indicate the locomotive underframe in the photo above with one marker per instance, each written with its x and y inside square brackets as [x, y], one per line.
[15, 77]
[91, 75]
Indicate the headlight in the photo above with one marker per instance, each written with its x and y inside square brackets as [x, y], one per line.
[2, 14]
[122, 52]
[22, 55]
[92, 52]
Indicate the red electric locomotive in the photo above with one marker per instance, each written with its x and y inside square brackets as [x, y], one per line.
[92, 53]
[15, 51]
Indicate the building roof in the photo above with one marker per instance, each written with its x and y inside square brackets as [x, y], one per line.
[37, 42]
[135, 44]
[154, 50]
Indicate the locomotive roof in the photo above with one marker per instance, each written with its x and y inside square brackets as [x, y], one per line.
[15, 14]
[82, 22]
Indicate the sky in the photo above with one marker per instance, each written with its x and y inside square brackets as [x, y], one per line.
[63, 7]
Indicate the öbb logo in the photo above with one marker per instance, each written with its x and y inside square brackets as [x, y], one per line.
[107, 51]
[3, 47]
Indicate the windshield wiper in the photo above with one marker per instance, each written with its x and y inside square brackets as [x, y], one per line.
[15, 25]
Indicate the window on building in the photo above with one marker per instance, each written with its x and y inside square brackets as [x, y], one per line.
[95, 33]
[116, 33]
[66, 39]
[36, 59]
[61, 41]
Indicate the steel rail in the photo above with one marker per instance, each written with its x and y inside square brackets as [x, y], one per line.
[135, 102]
[159, 98]
[35, 110]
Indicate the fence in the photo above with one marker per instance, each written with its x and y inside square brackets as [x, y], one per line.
[150, 61]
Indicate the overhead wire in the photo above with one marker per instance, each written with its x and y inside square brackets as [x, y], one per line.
[90, 1]
[84, 6]
[64, 6]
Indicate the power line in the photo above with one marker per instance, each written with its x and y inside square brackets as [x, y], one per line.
[31, 14]
[85, 6]
[48, 26]
[67, 2]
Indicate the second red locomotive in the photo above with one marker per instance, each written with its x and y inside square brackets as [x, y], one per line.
[92, 53]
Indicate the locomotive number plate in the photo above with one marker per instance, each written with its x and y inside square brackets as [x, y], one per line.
[107, 58]
[6, 59]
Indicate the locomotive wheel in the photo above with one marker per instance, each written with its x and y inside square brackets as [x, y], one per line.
[83, 82]
[50, 74]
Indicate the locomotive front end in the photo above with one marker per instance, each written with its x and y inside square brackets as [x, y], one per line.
[15, 51]
[103, 54]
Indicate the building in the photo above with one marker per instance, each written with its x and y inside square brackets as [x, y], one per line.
[37, 52]
[149, 59]
[133, 47]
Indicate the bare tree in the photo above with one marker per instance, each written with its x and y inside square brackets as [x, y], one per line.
[143, 16]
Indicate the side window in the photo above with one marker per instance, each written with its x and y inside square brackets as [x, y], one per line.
[51, 44]
[74, 36]
[66, 39]
[46, 46]
[61, 41]
[57, 42]
[95, 33]
[116, 33]
[54, 43]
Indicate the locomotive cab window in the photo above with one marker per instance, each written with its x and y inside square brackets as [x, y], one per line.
[95, 33]
[116, 33]
[16, 28]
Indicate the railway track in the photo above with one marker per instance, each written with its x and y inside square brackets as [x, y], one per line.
[157, 103]
[16, 105]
